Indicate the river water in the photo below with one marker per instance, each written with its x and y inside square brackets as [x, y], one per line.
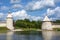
[30, 35]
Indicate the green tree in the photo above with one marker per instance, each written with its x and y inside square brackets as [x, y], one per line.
[26, 23]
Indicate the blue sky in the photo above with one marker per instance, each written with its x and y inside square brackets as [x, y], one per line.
[30, 9]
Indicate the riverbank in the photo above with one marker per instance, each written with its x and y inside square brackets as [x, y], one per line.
[3, 29]
[32, 29]
[27, 29]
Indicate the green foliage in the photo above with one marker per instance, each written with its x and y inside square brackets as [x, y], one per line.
[57, 21]
[56, 29]
[3, 29]
[28, 24]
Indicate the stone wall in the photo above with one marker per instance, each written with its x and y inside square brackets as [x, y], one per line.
[2, 24]
[56, 26]
[47, 25]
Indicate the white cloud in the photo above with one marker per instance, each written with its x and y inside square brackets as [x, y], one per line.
[16, 6]
[20, 14]
[50, 12]
[40, 4]
[36, 18]
[57, 0]
[54, 12]
[1, 15]
[4, 8]
[15, 1]
[23, 14]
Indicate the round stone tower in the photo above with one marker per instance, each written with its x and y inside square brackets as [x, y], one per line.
[10, 21]
[46, 24]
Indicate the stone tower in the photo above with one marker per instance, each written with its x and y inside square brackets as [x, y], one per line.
[9, 21]
[46, 24]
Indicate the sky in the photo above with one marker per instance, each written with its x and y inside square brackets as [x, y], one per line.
[30, 9]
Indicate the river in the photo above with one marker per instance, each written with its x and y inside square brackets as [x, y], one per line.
[30, 35]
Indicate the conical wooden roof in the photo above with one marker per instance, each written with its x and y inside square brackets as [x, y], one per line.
[9, 14]
[46, 19]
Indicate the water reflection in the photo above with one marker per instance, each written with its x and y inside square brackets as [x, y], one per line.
[9, 35]
[47, 35]
[42, 35]
[51, 35]
[24, 36]
[28, 36]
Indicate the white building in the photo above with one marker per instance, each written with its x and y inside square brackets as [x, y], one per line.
[47, 24]
[8, 23]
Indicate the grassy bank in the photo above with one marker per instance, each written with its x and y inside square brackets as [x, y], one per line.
[56, 29]
[28, 29]
[3, 29]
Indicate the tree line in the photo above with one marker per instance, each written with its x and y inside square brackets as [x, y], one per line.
[57, 21]
[26, 23]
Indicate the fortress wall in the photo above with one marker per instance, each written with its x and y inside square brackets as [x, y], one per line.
[56, 26]
[2, 24]
[47, 25]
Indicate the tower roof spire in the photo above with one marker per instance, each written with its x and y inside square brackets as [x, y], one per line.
[9, 14]
[46, 18]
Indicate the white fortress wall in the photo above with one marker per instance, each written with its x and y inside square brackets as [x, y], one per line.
[2, 24]
[56, 26]
[47, 25]
[9, 21]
